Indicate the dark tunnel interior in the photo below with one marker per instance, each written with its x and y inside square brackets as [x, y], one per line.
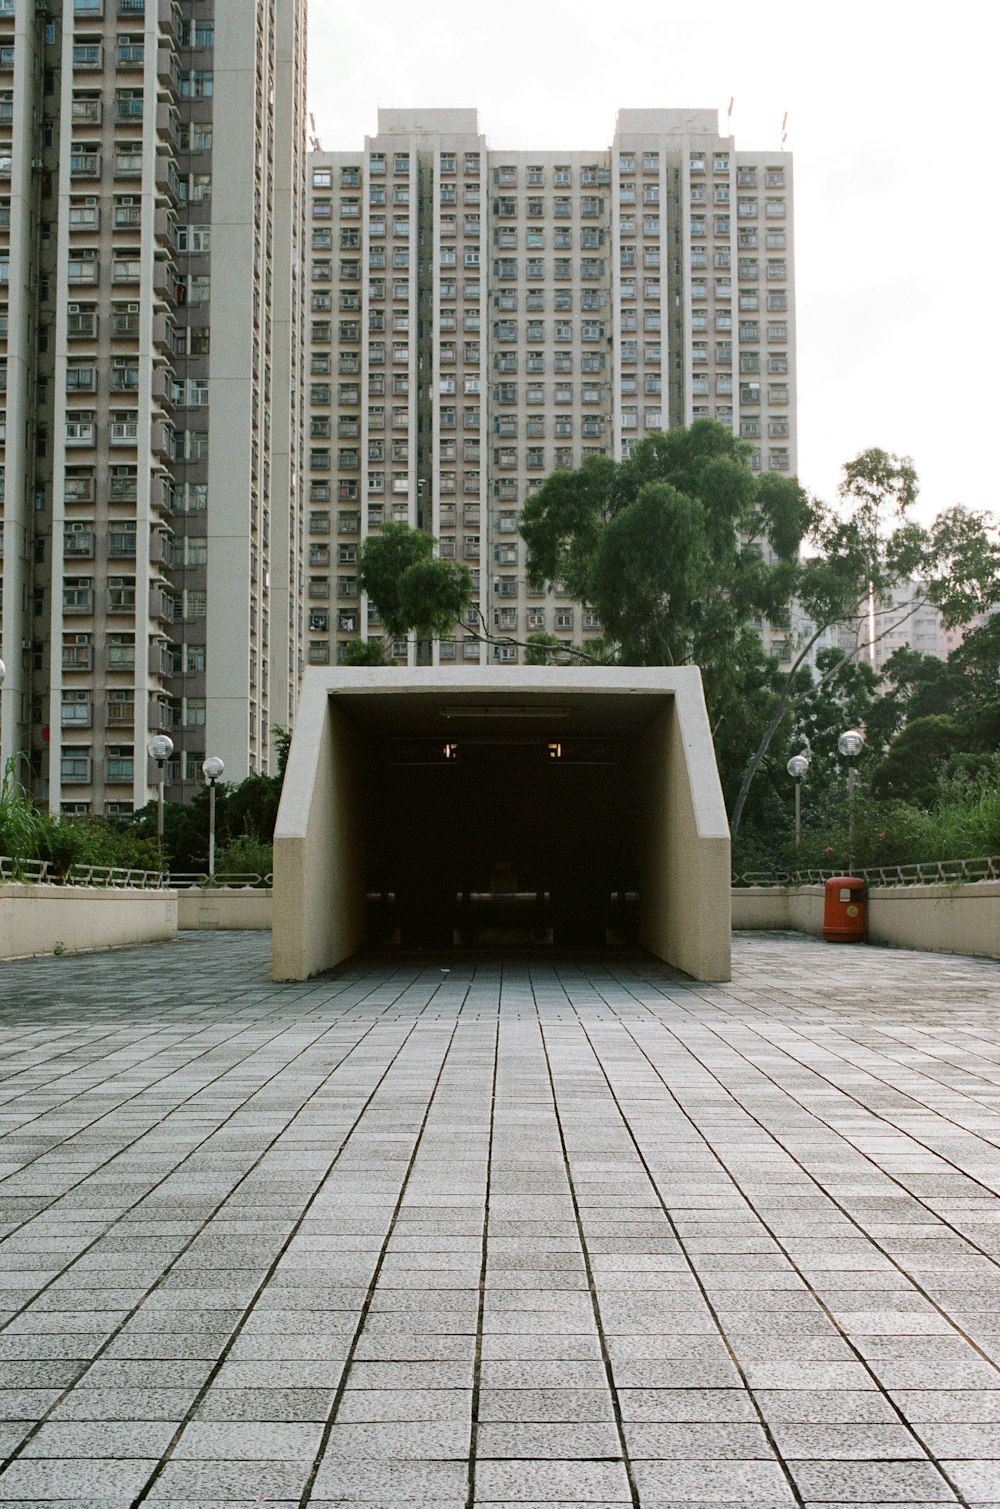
[522, 840]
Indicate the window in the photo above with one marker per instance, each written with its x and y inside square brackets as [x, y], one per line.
[196, 83]
[120, 763]
[74, 764]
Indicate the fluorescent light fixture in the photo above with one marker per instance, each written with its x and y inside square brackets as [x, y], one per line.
[497, 711]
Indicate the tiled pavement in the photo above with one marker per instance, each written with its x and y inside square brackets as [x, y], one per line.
[561, 1232]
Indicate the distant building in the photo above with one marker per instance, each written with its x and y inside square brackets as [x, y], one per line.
[904, 620]
[482, 318]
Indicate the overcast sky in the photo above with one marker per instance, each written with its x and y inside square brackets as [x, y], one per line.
[895, 173]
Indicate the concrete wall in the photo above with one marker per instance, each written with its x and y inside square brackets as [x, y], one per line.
[684, 843]
[222, 908]
[947, 919]
[319, 862]
[34, 919]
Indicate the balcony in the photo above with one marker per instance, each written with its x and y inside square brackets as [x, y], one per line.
[77, 657]
[121, 656]
[160, 605]
[85, 165]
[160, 716]
[86, 112]
[74, 770]
[165, 68]
[124, 489]
[161, 387]
[121, 544]
[165, 178]
[159, 659]
[129, 111]
[166, 123]
[79, 545]
[76, 715]
[160, 496]
[163, 332]
[124, 327]
[159, 548]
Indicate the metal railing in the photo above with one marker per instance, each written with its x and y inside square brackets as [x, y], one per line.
[928, 872]
[113, 877]
[23, 869]
[117, 877]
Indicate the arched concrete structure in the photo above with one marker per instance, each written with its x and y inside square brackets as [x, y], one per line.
[415, 782]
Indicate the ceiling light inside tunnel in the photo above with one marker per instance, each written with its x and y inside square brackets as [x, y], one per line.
[504, 712]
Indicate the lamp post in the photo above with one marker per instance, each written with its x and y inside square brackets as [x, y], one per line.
[850, 744]
[211, 769]
[161, 747]
[797, 767]
[3, 673]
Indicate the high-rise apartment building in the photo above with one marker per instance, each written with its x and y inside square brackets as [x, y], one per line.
[152, 218]
[480, 319]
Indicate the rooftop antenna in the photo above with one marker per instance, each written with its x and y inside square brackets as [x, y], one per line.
[784, 128]
[729, 113]
[314, 140]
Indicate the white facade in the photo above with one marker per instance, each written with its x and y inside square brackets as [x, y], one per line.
[154, 222]
[482, 318]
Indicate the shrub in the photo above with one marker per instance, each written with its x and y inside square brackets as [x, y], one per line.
[246, 854]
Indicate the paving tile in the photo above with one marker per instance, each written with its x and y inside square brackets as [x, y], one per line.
[712, 1481]
[824, 1173]
[871, 1482]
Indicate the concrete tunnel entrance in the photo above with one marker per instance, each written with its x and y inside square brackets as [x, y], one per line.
[432, 808]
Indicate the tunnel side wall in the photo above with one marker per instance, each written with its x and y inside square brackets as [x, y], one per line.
[319, 862]
[683, 841]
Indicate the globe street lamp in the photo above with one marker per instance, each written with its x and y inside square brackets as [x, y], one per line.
[850, 744]
[161, 747]
[211, 769]
[797, 767]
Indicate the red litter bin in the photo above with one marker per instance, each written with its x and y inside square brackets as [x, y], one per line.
[845, 911]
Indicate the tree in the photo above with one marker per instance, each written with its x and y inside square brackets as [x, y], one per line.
[410, 588]
[680, 549]
[674, 549]
[867, 550]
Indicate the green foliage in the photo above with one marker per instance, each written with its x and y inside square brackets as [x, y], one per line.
[433, 595]
[22, 824]
[366, 652]
[249, 808]
[541, 649]
[917, 755]
[667, 547]
[961, 820]
[408, 586]
[245, 855]
[27, 832]
[282, 744]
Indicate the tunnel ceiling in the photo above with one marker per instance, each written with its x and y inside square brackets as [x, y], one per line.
[485, 716]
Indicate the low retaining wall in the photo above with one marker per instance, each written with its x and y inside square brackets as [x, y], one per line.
[222, 908]
[945, 919]
[44, 919]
